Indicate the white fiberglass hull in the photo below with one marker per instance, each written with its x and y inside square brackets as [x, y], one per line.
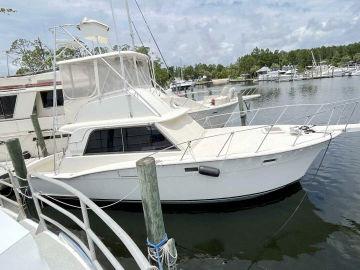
[239, 179]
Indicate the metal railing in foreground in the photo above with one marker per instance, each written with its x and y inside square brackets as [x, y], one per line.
[85, 205]
[92, 239]
[12, 183]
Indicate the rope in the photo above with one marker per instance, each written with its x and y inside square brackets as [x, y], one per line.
[162, 251]
[137, 33]
[303, 198]
[102, 207]
[282, 227]
[152, 36]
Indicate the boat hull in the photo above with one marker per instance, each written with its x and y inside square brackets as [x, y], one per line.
[239, 179]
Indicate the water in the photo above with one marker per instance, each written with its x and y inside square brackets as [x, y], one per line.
[323, 231]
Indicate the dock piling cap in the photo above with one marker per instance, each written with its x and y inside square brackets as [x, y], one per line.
[145, 161]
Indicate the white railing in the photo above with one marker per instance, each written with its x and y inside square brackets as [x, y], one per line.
[92, 240]
[250, 90]
[12, 183]
[308, 119]
[283, 110]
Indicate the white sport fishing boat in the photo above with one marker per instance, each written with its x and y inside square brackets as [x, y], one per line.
[118, 118]
[179, 85]
[222, 105]
[22, 96]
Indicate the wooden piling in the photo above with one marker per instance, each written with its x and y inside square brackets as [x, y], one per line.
[14, 148]
[39, 136]
[241, 108]
[154, 222]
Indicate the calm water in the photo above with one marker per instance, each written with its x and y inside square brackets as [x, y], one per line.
[324, 232]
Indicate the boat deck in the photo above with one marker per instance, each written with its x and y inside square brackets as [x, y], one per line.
[252, 140]
[51, 249]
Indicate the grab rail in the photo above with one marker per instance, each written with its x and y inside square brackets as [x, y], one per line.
[85, 204]
[308, 118]
[256, 111]
[92, 239]
[14, 185]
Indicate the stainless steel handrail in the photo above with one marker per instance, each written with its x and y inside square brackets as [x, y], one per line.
[336, 104]
[13, 183]
[92, 239]
[308, 119]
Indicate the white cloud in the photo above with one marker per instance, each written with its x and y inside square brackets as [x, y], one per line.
[192, 31]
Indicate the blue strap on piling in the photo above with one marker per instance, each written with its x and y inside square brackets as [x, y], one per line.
[157, 248]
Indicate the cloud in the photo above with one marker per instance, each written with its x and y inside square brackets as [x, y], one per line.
[193, 31]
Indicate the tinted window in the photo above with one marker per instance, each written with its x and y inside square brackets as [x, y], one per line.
[47, 98]
[134, 139]
[104, 141]
[7, 106]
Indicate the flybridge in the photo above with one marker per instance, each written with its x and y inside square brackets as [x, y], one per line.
[97, 75]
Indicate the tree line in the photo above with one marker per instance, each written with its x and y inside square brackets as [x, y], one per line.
[34, 56]
[300, 58]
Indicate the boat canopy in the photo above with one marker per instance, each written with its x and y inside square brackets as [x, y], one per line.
[98, 75]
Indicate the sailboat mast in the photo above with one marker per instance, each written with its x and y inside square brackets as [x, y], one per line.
[130, 26]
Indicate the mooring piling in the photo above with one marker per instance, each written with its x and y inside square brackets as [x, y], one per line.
[157, 241]
[39, 136]
[16, 155]
[241, 108]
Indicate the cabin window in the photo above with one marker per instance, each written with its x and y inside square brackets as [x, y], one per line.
[78, 80]
[132, 139]
[7, 106]
[47, 98]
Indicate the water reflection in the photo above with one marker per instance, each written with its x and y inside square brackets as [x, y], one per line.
[322, 234]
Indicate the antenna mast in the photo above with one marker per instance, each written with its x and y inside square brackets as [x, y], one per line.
[115, 26]
[130, 26]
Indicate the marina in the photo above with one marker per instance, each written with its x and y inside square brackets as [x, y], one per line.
[112, 159]
[309, 204]
[321, 232]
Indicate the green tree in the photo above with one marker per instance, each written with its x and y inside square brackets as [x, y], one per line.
[31, 56]
[345, 60]
[7, 10]
[143, 49]
[356, 57]
[162, 75]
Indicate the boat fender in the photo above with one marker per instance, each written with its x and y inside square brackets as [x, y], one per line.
[209, 171]
[26, 155]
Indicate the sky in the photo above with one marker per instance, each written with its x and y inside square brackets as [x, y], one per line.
[194, 31]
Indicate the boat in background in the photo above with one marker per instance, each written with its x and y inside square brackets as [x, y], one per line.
[179, 85]
[222, 104]
[217, 82]
[356, 72]
[22, 96]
